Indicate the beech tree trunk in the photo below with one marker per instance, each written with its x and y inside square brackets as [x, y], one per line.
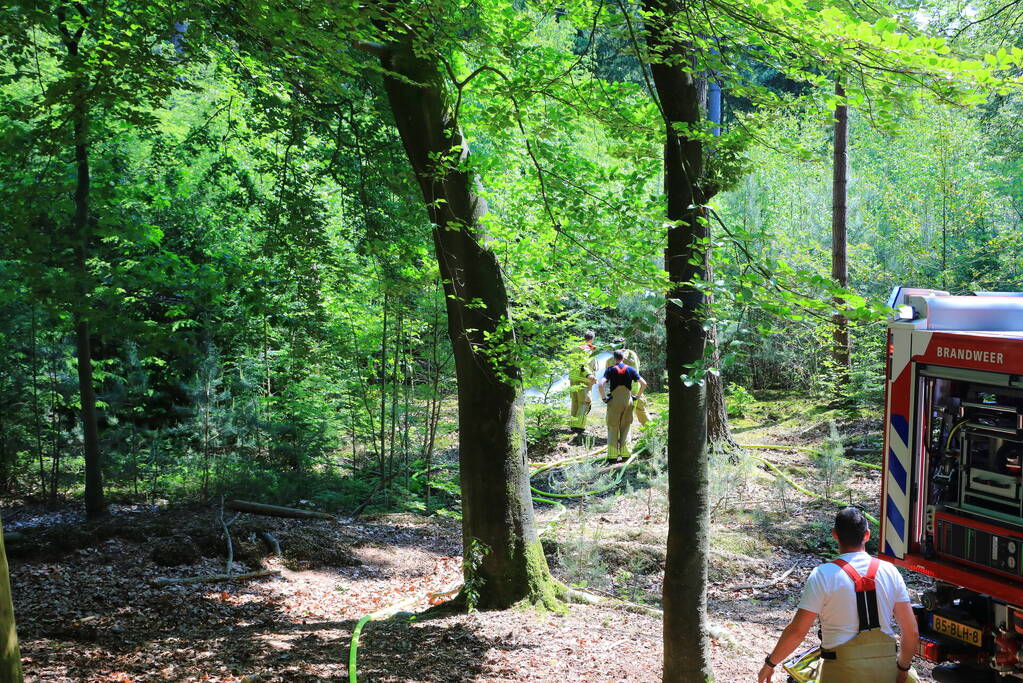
[497, 509]
[839, 232]
[10, 653]
[686, 640]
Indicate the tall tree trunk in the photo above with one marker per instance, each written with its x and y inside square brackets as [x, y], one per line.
[382, 455]
[394, 399]
[36, 411]
[55, 411]
[10, 653]
[5, 465]
[718, 430]
[94, 505]
[686, 641]
[433, 414]
[497, 510]
[839, 233]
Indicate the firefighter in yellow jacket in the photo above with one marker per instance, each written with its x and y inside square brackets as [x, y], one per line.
[581, 377]
[632, 360]
[616, 391]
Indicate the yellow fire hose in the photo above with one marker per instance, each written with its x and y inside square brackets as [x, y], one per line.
[807, 449]
[805, 491]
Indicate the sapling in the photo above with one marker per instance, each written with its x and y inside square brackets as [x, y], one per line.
[829, 461]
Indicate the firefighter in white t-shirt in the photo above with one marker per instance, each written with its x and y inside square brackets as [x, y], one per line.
[856, 597]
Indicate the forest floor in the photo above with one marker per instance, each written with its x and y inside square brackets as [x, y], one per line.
[87, 611]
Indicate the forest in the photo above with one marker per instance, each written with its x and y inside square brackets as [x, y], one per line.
[293, 297]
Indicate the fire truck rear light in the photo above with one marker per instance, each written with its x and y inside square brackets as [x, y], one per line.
[930, 650]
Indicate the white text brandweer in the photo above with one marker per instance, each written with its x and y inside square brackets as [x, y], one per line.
[970, 354]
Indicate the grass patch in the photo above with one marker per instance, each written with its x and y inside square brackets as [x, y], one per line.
[739, 543]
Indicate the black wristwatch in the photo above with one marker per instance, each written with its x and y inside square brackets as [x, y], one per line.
[768, 662]
[900, 667]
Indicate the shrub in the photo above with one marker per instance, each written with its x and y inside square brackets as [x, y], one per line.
[543, 420]
[739, 400]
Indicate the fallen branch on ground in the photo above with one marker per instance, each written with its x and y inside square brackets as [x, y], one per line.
[271, 542]
[766, 584]
[276, 510]
[587, 598]
[227, 534]
[213, 578]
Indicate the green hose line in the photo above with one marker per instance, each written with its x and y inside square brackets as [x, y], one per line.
[805, 491]
[807, 449]
[353, 650]
[540, 496]
[599, 458]
[595, 492]
[544, 466]
[779, 447]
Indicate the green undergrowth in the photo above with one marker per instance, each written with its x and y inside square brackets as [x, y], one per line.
[783, 409]
[334, 490]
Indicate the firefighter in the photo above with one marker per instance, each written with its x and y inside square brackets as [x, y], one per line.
[631, 359]
[855, 597]
[616, 391]
[581, 377]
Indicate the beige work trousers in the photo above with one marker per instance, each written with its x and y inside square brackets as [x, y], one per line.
[870, 657]
[640, 407]
[619, 422]
[580, 407]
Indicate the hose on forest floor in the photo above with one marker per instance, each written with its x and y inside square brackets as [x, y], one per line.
[788, 480]
[807, 449]
[353, 648]
[582, 494]
[594, 455]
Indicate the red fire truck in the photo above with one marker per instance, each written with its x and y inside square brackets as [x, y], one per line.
[952, 487]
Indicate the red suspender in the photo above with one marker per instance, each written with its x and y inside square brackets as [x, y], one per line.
[866, 592]
[862, 583]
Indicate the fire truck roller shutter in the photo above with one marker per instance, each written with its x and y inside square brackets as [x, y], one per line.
[988, 313]
[898, 463]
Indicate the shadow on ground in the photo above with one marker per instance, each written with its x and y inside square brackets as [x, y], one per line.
[93, 615]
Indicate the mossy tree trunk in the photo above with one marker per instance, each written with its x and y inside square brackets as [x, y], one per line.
[686, 640]
[10, 654]
[497, 508]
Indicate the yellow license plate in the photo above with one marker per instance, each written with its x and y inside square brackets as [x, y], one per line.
[954, 629]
